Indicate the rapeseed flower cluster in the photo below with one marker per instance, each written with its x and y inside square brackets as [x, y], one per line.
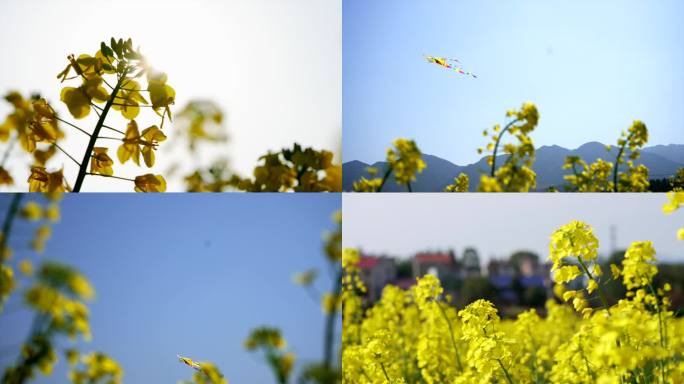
[33, 123]
[200, 121]
[516, 174]
[45, 216]
[273, 345]
[594, 177]
[416, 335]
[58, 297]
[109, 80]
[200, 133]
[56, 293]
[574, 252]
[460, 184]
[96, 367]
[209, 374]
[676, 200]
[605, 176]
[404, 159]
[297, 169]
[42, 213]
[270, 340]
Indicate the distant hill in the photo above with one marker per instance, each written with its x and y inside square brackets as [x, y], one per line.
[672, 152]
[661, 160]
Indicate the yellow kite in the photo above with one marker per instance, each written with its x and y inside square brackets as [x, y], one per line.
[449, 64]
[189, 362]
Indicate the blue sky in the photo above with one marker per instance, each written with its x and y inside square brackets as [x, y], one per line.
[590, 67]
[189, 274]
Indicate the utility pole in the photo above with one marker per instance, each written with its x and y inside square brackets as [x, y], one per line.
[613, 240]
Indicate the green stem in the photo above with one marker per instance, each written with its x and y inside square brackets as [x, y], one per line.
[365, 375]
[301, 173]
[505, 371]
[534, 355]
[41, 326]
[660, 319]
[384, 178]
[617, 162]
[408, 185]
[602, 295]
[451, 333]
[9, 220]
[660, 329]
[83, 169]
[5, 156]
[574, 170]
[329, 332]
[496, 146]
[385, 372]
[586, 361]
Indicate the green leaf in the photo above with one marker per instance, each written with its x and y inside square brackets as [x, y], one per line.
[116, 46]
[106, 50]
[120, 44]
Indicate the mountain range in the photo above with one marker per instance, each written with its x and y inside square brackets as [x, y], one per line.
[661, 160]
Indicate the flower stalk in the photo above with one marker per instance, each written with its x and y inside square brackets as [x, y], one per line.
[83, 169]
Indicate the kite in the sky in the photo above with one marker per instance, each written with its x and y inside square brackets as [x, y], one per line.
[449, 64]
[189, 362]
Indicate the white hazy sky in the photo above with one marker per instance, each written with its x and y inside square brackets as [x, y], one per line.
[273, 66]
[499, 224]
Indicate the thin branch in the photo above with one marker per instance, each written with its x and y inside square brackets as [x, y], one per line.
[133, 105]
[112, 176]
[135, 90]
[602, 295]
[68, 123]
[505, 371]
[105, 80]
[451, 333]
[113, 129]
[65, 152]
[385, 372]
[496, 146]
[97, 112]
[138, 141]
[9, 150]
